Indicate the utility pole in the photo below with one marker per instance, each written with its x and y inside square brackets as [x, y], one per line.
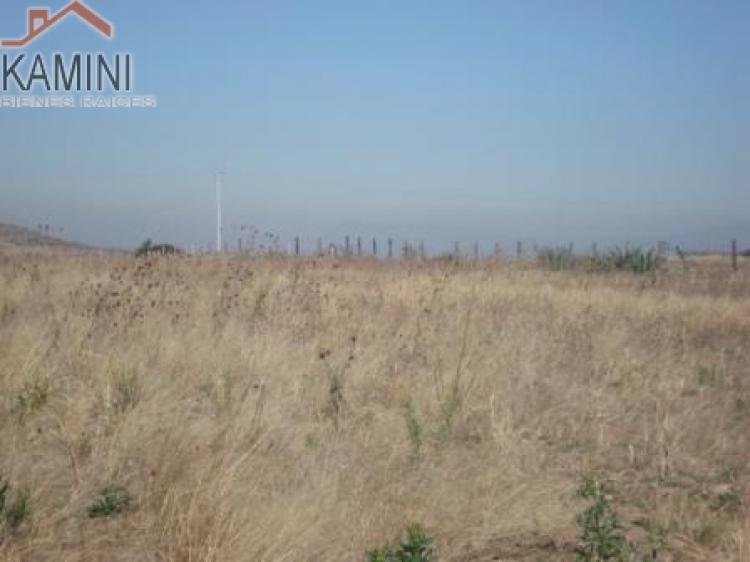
[218, 211]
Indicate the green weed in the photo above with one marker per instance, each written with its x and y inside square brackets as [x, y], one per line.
[602, 536]
[14, 508]
[634, 259]
[417, 547]
[111, 500]
[32, 396]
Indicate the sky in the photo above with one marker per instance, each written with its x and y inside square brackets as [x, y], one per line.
[490, 121]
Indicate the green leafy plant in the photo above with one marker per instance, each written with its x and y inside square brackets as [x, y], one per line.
[416, 547]
[601, 538]
[111, 500]
[630, 258]
[15, 509]
[435, 428]
[635, 259]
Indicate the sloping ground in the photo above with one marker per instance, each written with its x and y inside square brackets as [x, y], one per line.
[13, 235]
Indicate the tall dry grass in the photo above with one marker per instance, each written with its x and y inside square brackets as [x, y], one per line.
[306, 410]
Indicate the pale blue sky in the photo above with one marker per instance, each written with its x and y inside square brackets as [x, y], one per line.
[472, 120]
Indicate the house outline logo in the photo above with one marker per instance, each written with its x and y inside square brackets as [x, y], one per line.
[35, 29]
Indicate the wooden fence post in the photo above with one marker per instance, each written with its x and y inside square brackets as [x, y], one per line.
[359, 245]
[297, 246]
[734, 254]
[375, 247]
[390, 248]
[347, 246]
[320, 246]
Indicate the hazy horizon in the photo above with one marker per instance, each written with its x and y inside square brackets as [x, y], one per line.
[438, 121]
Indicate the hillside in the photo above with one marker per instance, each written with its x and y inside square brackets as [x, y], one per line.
[13, 235]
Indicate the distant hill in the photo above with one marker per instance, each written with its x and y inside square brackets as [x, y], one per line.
[19, 236]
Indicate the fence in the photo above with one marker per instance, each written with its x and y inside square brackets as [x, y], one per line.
[360, 247]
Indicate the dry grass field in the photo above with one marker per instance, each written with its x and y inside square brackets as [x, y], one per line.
[273, 409]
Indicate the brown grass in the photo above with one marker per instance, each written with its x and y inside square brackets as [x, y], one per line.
[257, 409]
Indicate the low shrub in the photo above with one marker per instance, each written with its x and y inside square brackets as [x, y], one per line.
[111, 500]
[602, 536]
[556, 258]
[634, 259]
[14, 508]
[417, 547]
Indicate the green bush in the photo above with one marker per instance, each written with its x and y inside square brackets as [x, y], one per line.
[634, 259]
[417, 547]
[602, 537]
[629, 258]
[111, 500]
[556, 258]
[13, 510]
